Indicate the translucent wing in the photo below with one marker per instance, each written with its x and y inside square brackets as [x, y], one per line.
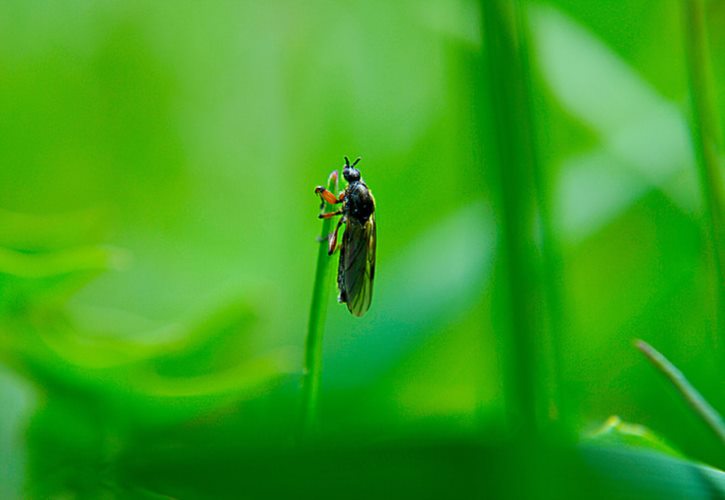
[357, 265]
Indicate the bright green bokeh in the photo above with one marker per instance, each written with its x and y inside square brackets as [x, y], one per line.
[158, 224]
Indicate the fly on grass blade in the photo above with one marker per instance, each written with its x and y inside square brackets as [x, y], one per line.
[356, 270]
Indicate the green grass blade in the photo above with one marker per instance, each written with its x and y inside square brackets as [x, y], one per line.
[698, 403]
[316, 324]
[559, 409]
[507, 156]
[706, 139]
[510, 154]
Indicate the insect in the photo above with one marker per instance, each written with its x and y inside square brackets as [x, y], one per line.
[356, 270]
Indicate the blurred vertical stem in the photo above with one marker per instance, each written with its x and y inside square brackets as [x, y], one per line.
[551, 274]
[706, 136]
[316, 324]
[511, 154]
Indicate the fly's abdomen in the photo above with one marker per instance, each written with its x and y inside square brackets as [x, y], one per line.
[357, 265]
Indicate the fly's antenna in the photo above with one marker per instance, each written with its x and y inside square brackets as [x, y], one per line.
[347, 162]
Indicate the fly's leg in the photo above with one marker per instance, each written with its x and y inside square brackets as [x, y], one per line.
[332, 237]
[329, 215]
[327, 195]
[332, 243]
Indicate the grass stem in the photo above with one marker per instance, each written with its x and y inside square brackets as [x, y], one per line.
[711, 417]
[510, 152]
[316, 325]
[706, 137]
[550, 277]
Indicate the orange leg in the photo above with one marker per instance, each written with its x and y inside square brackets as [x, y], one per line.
[328, 196]
[332, 243]
[329, 215]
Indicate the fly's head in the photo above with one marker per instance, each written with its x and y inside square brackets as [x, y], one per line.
[349, 172]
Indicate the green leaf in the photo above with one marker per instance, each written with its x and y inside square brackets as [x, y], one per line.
[619, 433]
[644, 143]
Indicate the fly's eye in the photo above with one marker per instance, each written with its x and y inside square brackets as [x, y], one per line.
[352, 175]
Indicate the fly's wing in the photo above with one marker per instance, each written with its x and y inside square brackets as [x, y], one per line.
[357, 266]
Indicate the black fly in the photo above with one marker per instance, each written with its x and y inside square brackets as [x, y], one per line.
[356, 270]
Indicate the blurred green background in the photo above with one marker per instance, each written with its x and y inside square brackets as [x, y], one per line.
[158, 225]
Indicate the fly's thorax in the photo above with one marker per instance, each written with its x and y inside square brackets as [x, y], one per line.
[359, 203]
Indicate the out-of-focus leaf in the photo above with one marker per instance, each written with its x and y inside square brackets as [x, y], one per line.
[27, 278]
[616, 432]
[434, 469]
[136, 379]
[644, 138]
[217, 341]
[646, 474]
